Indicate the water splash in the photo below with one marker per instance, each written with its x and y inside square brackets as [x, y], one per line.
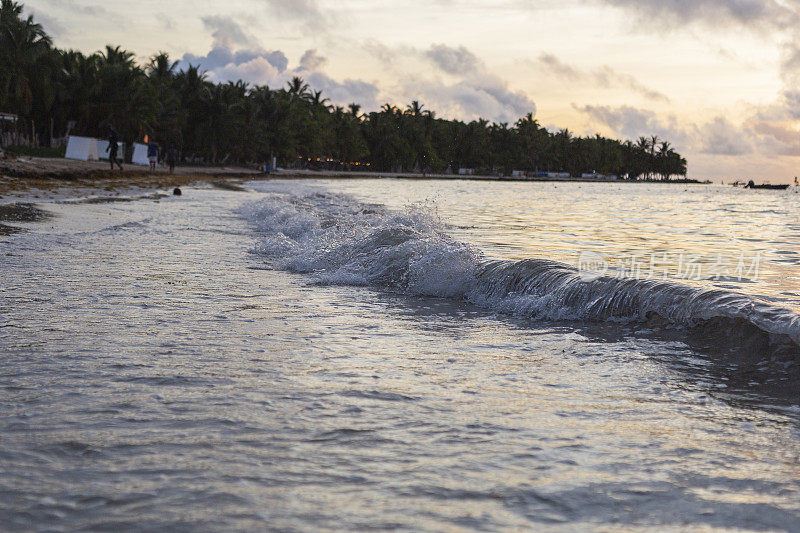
[345, 242]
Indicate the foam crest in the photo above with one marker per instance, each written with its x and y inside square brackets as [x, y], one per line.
[342, 241]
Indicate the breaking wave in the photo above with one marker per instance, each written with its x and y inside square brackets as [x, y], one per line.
[345, 242]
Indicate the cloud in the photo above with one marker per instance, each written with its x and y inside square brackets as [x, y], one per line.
[338, 92]
[258, 70]
[605, 77]
[254, 65]
[777, 125]
[779, 139]
[307, 12]
[551, 63]
[55, 28]
[475, 92]
[791, 104]
[717, 147]
[608, 77]
[312, 61]
[779, 17]
[223, 63]
[453, 60]
[167, 22]
[52, 26]
[790, 65]
[717, 137]
[383, 53]
[345, 92]
[764, 14]
[227, 31]
[631, 122]
[478, 96]
[221, 56]
[77, 7]
[720, 137]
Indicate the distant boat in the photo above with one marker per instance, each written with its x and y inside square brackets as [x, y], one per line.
[751, 185]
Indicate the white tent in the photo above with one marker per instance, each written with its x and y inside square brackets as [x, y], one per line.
[81, 148]
[103, 154]
[140, 154]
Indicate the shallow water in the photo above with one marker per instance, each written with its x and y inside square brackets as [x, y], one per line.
[206, 363]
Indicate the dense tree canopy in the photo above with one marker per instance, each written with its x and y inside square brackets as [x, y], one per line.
[55, 91]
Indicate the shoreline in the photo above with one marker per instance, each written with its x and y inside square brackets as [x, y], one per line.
[31, 178]
[337, 174]
[36, 173]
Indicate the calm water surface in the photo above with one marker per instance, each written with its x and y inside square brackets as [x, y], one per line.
[210, 362]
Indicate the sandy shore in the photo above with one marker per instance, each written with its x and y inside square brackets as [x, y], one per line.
[24, 182]
[34, 178]
[42, 178]
[67, 169]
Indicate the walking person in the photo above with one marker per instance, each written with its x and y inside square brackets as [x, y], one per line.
[152, 155]
[113, 147]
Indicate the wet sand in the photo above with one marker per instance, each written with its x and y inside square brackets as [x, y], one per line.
[32, 178]
[19, 212]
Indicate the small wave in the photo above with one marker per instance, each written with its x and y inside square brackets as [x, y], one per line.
[125, 226]
[115, 199]
[345, 242]
[379, 395]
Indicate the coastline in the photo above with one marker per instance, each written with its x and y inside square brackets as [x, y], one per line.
[25, 174]
[337, 174]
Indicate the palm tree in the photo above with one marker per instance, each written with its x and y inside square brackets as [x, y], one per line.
[161, 68]
[114, 55]
[23, 43]
[531, 144]
[354, 110]
[298, 87]
[414, 109]
[123, 94]
[653, 144]
[316, 99]
[10, 11]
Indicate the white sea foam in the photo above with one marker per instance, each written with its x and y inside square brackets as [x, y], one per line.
[343, 241]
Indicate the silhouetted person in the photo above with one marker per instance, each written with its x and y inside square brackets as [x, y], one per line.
[172, 157]
[113, 147]
[152, 154]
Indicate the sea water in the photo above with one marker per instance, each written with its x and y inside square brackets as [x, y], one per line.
[413, 355]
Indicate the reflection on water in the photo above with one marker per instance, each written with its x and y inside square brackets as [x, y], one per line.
[156, 376]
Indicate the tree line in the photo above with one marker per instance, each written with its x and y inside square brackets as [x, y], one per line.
[55, 92]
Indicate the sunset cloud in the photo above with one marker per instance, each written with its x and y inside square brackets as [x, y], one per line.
[758, 14]
[308, 13]
[453, 60]
[603, 76]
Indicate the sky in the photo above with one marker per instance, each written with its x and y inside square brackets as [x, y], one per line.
[718, 79]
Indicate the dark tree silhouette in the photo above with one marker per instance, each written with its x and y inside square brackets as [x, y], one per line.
[52, 89]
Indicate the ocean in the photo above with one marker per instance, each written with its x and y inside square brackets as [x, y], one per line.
[331, 355]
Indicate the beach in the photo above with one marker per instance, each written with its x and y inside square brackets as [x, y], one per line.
[38, 177]
[42, 174]
[336, 354]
